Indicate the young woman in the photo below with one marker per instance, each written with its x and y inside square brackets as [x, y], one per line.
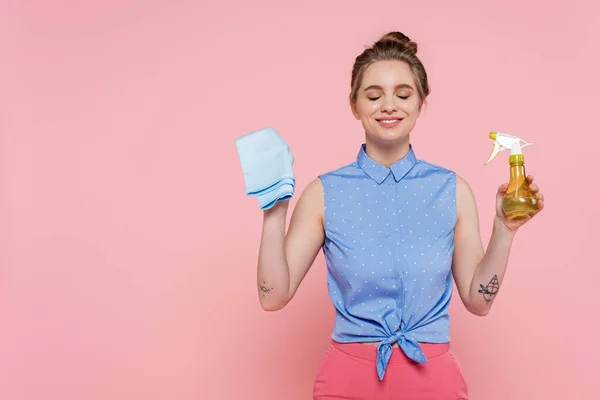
[395, 230]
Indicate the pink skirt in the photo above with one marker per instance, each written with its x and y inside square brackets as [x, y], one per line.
[348, 371]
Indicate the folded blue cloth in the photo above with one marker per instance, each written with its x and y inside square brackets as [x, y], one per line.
[267, 165]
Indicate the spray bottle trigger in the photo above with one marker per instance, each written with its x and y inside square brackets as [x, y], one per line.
[495, 151]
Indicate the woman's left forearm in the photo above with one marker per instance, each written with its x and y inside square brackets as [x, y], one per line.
[489, 274]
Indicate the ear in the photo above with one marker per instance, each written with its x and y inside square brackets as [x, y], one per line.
[353, 108]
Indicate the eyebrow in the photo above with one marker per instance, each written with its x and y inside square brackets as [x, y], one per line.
[401, 86]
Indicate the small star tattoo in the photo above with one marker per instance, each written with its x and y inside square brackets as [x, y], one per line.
[264, 290]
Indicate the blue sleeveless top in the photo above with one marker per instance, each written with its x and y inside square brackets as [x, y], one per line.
[389, 239]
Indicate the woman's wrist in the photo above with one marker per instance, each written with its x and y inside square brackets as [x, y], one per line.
[501, 226]
[279, 209]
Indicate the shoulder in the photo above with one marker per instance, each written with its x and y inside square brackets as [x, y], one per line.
[314, 188]
[462, 187]
[462, 184]
[311, 200]
[465, 198]
[311, 203]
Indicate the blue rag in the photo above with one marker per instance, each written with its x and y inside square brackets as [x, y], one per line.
[267, 165]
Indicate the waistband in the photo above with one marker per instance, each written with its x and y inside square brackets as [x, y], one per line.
[370, 353]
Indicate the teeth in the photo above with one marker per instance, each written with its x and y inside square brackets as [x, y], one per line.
[389, 121]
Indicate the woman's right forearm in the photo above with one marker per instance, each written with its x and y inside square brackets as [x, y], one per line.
[273, 277]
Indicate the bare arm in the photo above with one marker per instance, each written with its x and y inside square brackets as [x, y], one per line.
[478, 275]
[284, 259]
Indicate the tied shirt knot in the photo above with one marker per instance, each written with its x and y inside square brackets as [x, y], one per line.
[407, 343]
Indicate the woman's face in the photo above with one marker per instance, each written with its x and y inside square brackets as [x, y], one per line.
[387, 102]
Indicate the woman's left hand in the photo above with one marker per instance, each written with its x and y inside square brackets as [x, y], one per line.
[516, 223]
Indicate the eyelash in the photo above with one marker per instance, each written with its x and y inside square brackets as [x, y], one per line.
[375, 98]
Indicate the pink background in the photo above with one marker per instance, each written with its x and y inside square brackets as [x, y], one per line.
[128, 246]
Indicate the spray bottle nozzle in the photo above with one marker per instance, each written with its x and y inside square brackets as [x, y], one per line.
[502, 141]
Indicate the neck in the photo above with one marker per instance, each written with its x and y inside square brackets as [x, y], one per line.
[387, 154]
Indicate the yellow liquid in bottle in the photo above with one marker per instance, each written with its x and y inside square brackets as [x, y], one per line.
[518, 200]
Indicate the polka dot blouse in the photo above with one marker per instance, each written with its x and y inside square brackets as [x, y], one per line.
[388, 248]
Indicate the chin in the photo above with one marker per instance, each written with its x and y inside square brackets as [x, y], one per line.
[389, 136]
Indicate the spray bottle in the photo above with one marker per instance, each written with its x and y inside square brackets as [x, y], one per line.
[518, 201]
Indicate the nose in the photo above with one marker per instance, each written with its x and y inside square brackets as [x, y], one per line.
[389, 105]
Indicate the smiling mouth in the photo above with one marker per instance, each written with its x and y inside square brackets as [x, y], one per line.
[389, 122]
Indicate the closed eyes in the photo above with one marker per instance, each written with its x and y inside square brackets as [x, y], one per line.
[376, 98]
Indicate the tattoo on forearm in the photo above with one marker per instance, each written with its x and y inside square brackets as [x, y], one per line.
[490, 290]
[264, 289]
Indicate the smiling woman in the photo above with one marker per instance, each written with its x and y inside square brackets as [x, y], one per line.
[387, 99]
[388, 89]
[395, 231]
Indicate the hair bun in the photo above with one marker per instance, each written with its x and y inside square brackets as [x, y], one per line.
[399, 38]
